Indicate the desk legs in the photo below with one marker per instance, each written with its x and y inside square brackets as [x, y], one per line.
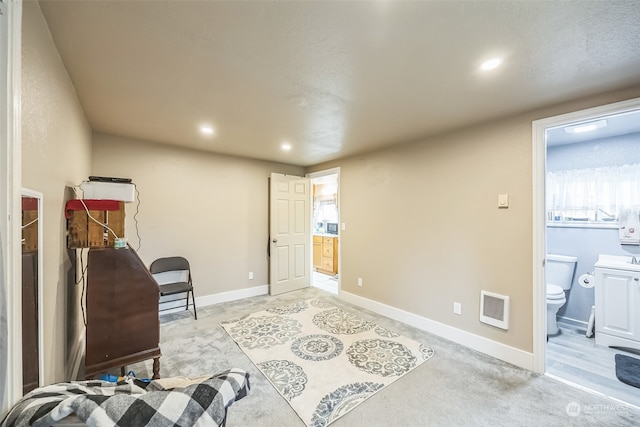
[156, 368]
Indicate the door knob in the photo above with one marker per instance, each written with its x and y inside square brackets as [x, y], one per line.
[275, 240]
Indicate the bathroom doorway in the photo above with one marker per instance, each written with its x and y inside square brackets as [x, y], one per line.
[326, 229]
[565, 149]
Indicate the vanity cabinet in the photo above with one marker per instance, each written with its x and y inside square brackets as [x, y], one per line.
[617, 298]
[325, 254]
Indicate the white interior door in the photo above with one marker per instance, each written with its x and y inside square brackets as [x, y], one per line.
[290, 233]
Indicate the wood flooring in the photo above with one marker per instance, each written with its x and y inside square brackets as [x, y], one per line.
[574, 357]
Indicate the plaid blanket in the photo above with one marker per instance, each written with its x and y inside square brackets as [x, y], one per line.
[132, 403]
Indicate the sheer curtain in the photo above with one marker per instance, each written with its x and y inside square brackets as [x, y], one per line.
[603, 190]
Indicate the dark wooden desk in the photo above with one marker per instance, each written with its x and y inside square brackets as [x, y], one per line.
[122, 312]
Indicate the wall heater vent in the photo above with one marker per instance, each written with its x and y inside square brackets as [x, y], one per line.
[494, 309]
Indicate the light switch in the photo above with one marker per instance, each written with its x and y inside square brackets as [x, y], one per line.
[503, 200]
[344, 226]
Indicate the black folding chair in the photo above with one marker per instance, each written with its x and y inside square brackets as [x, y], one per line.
[178, 265]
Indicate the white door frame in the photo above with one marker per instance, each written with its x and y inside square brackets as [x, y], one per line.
[10, 190]
[319, 174]
[539, 213]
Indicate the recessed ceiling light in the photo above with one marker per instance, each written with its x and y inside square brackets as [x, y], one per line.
[586, 127]
[491, 64]
[207, 130]
[285, 146]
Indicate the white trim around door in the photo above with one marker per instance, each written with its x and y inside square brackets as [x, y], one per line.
[10, 189]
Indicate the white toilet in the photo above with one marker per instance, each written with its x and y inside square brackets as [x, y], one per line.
[559, 274]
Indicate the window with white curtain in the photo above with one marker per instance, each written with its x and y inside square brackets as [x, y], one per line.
[592, 195]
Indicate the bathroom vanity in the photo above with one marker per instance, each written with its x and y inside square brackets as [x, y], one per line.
[617, 302]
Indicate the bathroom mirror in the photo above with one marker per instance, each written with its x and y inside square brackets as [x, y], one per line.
[32, 334]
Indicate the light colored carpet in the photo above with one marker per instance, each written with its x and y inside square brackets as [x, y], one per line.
[458, 387]
[322, 359]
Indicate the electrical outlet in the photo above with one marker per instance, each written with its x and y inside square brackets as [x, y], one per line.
[251, 275]
[457, 308]
[359, 281]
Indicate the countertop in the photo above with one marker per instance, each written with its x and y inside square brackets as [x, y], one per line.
[325, 235]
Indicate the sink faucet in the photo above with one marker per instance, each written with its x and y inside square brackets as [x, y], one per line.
[635, 261]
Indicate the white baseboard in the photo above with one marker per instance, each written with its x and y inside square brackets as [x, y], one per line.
[205, 300]
[232, 295]
[573, 322]
[76, 357]
[484, 345]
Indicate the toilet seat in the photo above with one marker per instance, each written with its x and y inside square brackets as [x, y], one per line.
[555, 292]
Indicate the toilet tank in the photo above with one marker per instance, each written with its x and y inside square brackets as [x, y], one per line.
[559, 270]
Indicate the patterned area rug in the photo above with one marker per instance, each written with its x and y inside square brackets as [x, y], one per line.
[323, 360]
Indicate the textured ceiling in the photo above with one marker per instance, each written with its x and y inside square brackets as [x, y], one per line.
[332, 78]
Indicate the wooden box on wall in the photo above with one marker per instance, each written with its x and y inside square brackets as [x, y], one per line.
[83, 232]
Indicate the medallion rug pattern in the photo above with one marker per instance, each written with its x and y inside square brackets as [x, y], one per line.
[322, 359]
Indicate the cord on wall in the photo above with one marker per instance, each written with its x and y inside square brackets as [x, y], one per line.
[83, 303]
[32, 222]
[75, 190]
[135, 217]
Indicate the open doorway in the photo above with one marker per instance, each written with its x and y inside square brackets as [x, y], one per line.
[325, 229]
[585, 165]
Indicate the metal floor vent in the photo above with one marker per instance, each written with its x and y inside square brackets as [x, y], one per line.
[494, 309]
